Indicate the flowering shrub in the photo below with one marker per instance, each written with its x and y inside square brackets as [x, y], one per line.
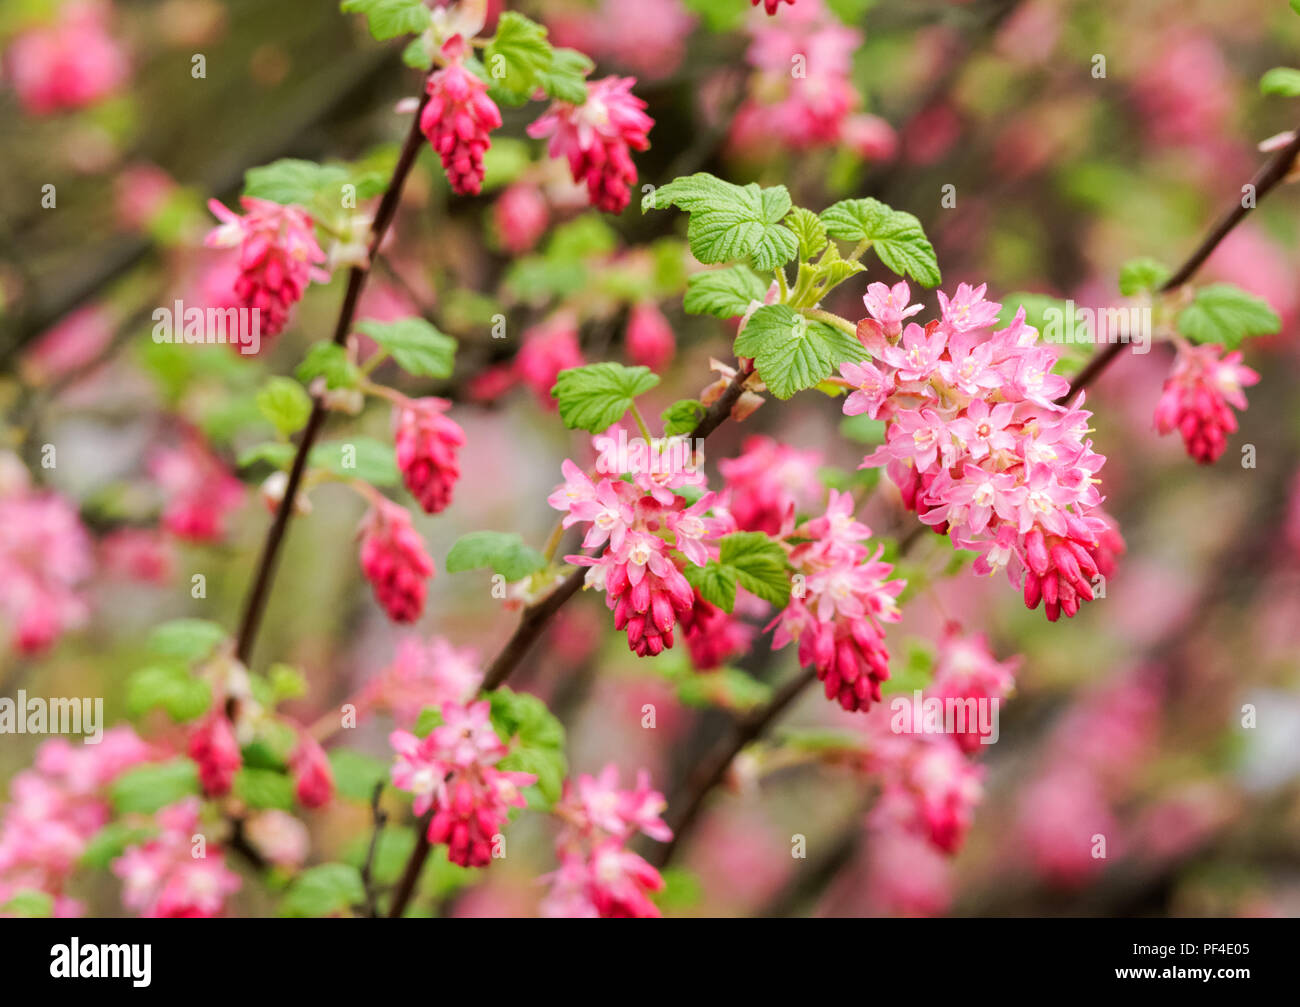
[901, 431]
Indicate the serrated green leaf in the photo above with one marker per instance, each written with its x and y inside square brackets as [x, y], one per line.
[716, 583]
[897, 237]
[324, 890]
[285, 404]
[292, 180]
[145, 789]
[390, 18]
[1225, 315]
[416, 55]
[682, 417]
[186, 639]
[730, 222]
[1141, 274]
[792, 352]
[1281, 80]
[361, 458]
[418, 347]
[810, 231]
[597, 396]
[170, 687]
[565, 79]
[503, 552]
[517, 57]
[328, 361]
[430, 718]
[723, 293]
[760, 565]
[536, 738]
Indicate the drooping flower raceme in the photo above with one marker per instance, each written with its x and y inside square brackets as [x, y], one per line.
[768, 481]
[453, 772]
[199, 490]
[457, 119]
[423, 674]
[427, 444]
[595, 138]
[278, 257]
[838, 604]
[1199, 396]
[68, 64]
[163, 878]
[979, 447]
[598, 876]
[394, 560]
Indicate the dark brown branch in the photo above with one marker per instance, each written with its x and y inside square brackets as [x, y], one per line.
[255, 603]
[1266, 179]
[380, 817]
[414, 865]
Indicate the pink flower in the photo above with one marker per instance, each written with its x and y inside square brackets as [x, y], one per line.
[650, 341]
[75, 342]
[935, 793]
[1197, 396]
[68, 64]
[453, 772]
[140, 554]
[458, 118]
[648, 36]
[595, 138]
[162, 879]
[521, 215]
[278, 836]
[278, 257]
[547, 349]
[394, 560]
[425, 674]
[888, 305]
[770, 5]
[213, 746]
[871, 137]
[713, 636]
[965, 669]
[968, 310]
[312, 775]
[45, 558]
[427, 442]
[768, 482]
[199, 491]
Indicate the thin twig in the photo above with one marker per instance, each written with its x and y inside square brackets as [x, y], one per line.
[255, 603]
[380, 817]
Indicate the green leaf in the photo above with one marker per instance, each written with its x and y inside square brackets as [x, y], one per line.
[597, 396]
[730, 222]
[417, 346]
[356, 774]
[186, 639]
[716, 583]
[1225, 315]
[810, 231]
[504, 162]
[393, 849]
[729, 688]
[285, 404]
[286, 681]
[584, 237]
[361, 458]
[324, 890]
[274, 453]
[416, 55]
[390, 18]
[1137, 275]
[723, 293]
[536, 737]
[683, 416]
[29, 904]
[760, 565]
[291, 180]
[429, 719]
[915, 670]
[565, 78]
[517, 57]
[1281, 80]
[170, 687]
[897, 237]
[264, 788]
[111, 842]
[792, 352]
[330, 362]
[503, 552]
[145, 789]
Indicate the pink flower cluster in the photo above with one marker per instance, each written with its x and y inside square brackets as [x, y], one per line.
[965, 668]
[639, 571]
[173, 877]
[649, 340]
[213, 748]
[1198, 398]
[598, 876]
[199, 490]
[647, 36]
[427, 443]
[841, 595]
[454, 772]
[520, 215]
[313, 778]
[68, 64]
[55, 808]
[547, 348]
[713, 636]
[458, 118]
[394, 560]
[802, 90]
[979, 447]
[278, 257]
[45, 558]
[423, 674]
[768, 482]
[595, 138]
